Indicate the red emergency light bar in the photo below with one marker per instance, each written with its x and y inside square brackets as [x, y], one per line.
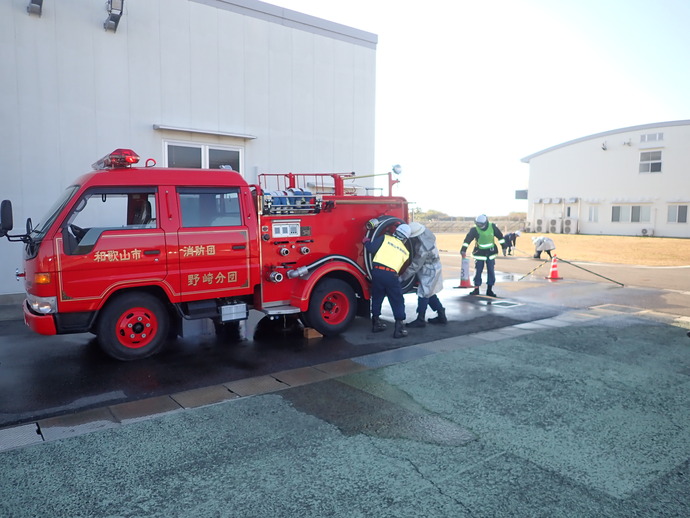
[118, 158]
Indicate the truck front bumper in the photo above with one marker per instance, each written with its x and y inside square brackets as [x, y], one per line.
[41, 324]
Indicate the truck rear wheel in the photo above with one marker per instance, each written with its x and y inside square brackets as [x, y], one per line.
[332, 307]
[133, 326]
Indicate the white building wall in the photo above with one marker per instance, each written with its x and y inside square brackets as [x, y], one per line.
[70, 92]
[593, 174]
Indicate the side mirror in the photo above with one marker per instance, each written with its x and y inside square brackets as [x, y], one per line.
[6, 221]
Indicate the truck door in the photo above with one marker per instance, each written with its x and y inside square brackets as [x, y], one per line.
[110, 239]
[214, 251]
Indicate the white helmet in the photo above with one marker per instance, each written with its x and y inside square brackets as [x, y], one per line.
[402, 232]
[416, 229]
[482, 221]
[518, 233]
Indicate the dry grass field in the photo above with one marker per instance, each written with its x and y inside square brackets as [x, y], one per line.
[648, 251]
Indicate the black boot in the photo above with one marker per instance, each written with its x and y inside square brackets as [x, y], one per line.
[419, 321]
[400, 331]
[475, 291]
[441, 318]
[490, 292]
[376, 325]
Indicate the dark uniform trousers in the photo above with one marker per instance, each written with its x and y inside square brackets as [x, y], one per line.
[385, 283]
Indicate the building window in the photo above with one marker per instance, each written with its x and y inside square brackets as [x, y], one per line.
[640, 213]
[650, 162]
[618, 213]
[593, 214]
[677, 214]
[652, 137]
[184, 156]
[201, 156]
[631, 213]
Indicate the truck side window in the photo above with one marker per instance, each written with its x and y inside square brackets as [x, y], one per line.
[107, 209]
[210, 207]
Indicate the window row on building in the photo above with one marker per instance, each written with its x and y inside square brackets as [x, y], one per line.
[639, 213]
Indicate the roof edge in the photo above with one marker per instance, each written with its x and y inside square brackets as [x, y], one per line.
[295, 19]
[606, 134]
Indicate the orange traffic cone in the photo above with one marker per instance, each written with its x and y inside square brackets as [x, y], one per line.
[553, 274]
[466, 283]
[465, 274]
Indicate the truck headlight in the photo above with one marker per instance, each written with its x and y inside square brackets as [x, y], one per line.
[42, 305]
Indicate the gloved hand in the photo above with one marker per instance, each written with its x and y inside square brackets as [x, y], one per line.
[463, 254]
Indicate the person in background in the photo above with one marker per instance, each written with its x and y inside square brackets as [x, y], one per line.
[485, 234]
[510, 240]
[425, 263]
[543, 244]
[389, 254]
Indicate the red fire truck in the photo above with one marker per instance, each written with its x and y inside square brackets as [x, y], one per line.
[128, 253]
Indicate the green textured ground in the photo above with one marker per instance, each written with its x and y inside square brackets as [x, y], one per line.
[588, 419]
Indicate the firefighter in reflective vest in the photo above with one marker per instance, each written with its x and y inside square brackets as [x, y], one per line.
[389, 255]
[485, 251]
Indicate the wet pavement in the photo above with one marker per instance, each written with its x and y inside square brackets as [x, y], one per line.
[47, 376]
[566, 398]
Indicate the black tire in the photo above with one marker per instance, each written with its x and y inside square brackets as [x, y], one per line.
[133, 326]
[332, 307]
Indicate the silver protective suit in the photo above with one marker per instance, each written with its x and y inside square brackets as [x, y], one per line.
[426, 263]
[543, 243]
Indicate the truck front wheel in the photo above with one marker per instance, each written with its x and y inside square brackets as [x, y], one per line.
[332, 307]
[133, 326]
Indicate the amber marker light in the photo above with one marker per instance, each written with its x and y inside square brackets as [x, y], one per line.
[42, 278]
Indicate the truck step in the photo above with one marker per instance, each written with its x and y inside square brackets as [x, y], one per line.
[281, 310]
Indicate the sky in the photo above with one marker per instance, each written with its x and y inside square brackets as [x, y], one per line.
[465, 90]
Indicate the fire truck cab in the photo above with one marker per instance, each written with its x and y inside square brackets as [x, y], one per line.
[128, 253]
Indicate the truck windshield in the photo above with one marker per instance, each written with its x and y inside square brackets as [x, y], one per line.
[46, 222]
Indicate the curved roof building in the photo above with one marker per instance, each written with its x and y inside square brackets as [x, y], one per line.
[631, 181]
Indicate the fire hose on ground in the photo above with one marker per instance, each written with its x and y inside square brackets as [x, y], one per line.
[572, 264]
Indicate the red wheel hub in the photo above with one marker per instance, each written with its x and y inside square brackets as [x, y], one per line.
[136, 328]
[335, 308]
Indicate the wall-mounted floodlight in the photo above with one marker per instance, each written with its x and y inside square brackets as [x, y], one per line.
[114, 8]
[35, 7]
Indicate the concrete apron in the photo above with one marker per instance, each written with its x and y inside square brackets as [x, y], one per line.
[583, 414]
